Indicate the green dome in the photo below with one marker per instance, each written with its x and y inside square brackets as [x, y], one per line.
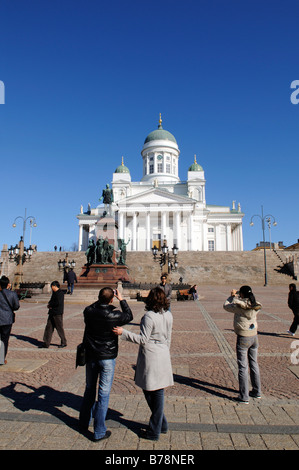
[160, 134]
[122, 168]
[195, 166]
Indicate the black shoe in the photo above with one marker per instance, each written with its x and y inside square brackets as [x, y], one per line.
[254, 395]
[108, 434]
[62, 346]
[148, 435]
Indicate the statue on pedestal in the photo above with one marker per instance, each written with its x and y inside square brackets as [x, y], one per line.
[107, 196]
[90, 252]
[123, 251]
[99, 251]
[107, 252]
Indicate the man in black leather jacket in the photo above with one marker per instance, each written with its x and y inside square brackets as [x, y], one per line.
[55, 317]
[293, 303]
[101, 351]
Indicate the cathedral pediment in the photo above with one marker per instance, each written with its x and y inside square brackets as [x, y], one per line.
[156, 196]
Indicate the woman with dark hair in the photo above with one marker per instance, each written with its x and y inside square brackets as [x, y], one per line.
[245, 307]
[153, 369]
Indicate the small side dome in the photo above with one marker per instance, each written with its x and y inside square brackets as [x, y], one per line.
[195, 166]
[122, 168]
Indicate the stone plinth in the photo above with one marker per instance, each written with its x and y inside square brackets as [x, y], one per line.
[102, 274]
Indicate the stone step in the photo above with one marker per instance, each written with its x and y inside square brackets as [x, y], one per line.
[194, 267]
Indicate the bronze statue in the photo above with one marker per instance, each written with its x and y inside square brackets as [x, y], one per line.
[110, 251]
[90, 252]
[107, 196]
[123, 251]
[99, 251]
[107, 252]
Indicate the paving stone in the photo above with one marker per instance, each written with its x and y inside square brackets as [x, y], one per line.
[41, 390]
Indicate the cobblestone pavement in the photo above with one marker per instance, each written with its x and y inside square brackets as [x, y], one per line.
[41, 390]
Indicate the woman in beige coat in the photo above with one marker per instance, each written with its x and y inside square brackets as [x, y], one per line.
[153, 369]
[245, 309]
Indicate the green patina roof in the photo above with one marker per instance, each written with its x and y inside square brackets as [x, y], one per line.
[195, 166]
[160, 134]
[122, 168]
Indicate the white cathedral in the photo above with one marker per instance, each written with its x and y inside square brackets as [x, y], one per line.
[161, 207]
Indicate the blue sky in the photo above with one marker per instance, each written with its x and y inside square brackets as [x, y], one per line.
[85, 81]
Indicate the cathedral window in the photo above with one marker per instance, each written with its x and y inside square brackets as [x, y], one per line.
[151, 168]
[167, 167]
[160, 168]
[211, 245]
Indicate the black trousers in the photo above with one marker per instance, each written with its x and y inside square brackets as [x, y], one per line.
[5, 334]
[295, 323]
[54, 322]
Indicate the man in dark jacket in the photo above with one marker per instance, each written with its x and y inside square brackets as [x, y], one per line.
[166, 287]
[71, 279]
[9, 302]
[293, 303]
[56, 307]
[101, 352]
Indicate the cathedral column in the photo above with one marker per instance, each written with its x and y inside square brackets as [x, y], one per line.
[148, 231]
[178, 228]
[80, 247]
[217, 231]
[204, 237]
[189, 231]
[228, 238]
[240, 238]
[134, 234]
[121, 225]
[163, 225]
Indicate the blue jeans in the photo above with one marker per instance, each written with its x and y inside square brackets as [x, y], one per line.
[247, 348]
[158, 422]
[70, 288]
[102, 369]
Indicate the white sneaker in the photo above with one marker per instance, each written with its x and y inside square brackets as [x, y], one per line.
[244, 402]
[290, 333]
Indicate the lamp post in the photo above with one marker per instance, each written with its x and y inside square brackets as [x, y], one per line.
[66, 263]
[32, 223]
[19, 253]
[268, 219]
[166, 258]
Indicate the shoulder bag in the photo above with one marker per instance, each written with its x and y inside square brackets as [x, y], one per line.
[81, 355]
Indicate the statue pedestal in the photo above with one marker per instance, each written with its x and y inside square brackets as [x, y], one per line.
[102, 275]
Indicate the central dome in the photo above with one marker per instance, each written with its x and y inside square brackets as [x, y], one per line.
[160, 134]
